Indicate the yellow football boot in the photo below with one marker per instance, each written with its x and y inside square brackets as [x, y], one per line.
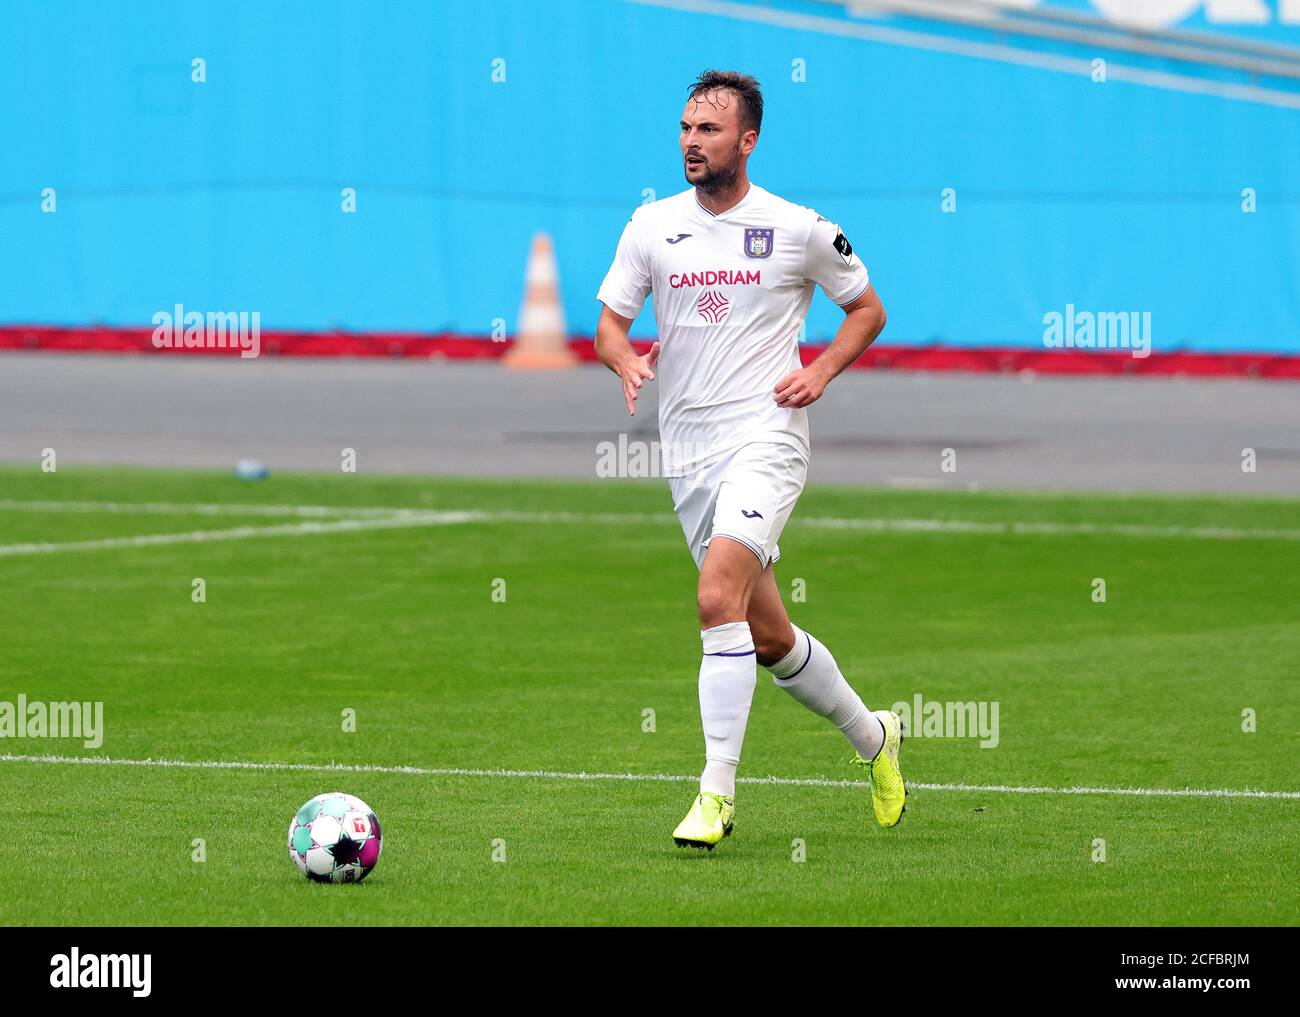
[888, 791]
[710, 819]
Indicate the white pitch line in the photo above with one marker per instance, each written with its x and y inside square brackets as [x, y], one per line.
[244, 532]
[1050, 529]
[197, 508]
[424, 771]
[882, 525]
[372, 518]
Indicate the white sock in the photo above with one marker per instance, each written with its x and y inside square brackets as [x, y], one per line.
[728, 674]
[809, 673]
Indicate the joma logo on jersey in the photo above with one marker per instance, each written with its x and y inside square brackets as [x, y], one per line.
[718, 277]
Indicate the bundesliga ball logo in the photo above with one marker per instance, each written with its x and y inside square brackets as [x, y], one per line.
[335, 838]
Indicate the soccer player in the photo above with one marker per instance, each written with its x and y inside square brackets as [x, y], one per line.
[732, 269]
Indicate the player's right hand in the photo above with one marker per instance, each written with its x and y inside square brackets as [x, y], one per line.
[634, 372]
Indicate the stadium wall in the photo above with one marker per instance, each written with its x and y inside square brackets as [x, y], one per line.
[984, 192]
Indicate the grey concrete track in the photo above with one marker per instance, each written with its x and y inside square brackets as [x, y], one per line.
[437, 417]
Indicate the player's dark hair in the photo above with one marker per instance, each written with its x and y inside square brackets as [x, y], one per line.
[745, 87]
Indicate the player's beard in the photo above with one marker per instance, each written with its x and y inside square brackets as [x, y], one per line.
[717, 179]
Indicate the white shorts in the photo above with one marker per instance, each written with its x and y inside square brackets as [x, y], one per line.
[747, 495]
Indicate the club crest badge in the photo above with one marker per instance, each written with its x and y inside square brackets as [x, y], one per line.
[758, 241]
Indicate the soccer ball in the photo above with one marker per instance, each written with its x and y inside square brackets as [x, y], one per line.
[335, 838]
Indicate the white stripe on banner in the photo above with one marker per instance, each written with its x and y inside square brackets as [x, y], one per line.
[981, 50]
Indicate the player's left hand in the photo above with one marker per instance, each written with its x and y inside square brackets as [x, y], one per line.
[801, 387]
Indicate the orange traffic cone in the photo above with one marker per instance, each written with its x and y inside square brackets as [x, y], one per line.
[542, 342]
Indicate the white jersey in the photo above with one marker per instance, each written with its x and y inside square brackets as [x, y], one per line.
[731, 292]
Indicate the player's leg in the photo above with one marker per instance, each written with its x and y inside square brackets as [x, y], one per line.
[808, 671]
[769, 624]
[727, 680]
[803, 667]
[757, 489]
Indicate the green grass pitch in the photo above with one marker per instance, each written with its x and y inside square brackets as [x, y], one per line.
[597, 626]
